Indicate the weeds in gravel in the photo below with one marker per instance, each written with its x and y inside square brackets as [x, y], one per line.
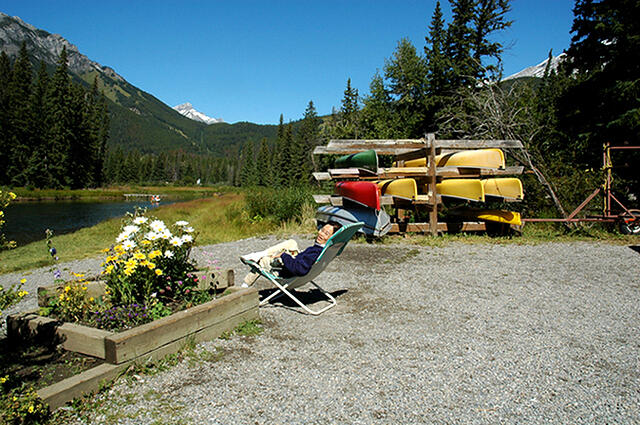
[248, 328]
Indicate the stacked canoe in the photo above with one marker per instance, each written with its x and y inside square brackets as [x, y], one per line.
[476, 190]
[361, 199]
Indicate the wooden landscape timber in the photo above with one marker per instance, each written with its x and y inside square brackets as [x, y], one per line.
[399, 147]
[402, 227]
[119, 350]
[397, 172]
[336, 201]
[428, 176]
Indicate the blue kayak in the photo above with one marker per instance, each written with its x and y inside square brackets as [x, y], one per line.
[376, 222]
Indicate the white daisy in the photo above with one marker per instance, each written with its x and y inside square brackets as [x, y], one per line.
[151, 236]
[186, 238]
[140, 220]
[189, 229]
[158, 226]
[128, 244]
[122, 236]
[130, 229]
[165, 235]
[168, 254]
[181, 223]
[176, 241]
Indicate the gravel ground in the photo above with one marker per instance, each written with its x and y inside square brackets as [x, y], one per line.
[483, 334]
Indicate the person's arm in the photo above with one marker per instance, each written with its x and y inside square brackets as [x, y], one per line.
[302, 263]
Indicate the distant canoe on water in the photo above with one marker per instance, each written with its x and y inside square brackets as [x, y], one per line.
[365, 193]
[366, 159]
[476, 158]
[376, 223]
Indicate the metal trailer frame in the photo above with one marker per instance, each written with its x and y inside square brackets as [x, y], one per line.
[608, 216]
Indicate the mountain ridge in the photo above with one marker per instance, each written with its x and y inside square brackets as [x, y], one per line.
[139, 120]
[189, 111]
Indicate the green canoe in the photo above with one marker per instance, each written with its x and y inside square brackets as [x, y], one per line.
[367, 159]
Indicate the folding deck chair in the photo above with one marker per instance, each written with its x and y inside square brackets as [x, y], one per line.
[334, 247]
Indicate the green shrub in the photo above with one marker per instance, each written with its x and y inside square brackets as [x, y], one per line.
[279, 205]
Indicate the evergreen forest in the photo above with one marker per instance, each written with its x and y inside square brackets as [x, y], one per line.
[56, 134]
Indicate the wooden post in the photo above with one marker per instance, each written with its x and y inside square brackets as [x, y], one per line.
[433, 214]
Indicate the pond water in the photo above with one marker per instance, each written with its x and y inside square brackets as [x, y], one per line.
[27, 221]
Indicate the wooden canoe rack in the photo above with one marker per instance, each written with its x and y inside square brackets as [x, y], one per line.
[405, 150]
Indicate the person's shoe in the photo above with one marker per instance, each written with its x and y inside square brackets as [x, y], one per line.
[254, 256]
[250, 279]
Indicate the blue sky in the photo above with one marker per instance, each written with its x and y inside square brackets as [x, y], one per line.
[254, 60]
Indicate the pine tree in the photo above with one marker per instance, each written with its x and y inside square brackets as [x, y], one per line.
[489, 17]
[20, 136]
[59, 124]
[459, 44]
[282, 156]
[264, 168]
[249, 171]
[438, 67]
[406, 72]
[80, 162]
[377, 113]
[603, 102]
[5, 78]
[305, 140]
[37, 172]
[348, 125]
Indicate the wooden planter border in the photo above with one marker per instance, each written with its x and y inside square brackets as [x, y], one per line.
[150, 341]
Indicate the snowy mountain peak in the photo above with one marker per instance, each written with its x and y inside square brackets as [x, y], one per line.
[538, 70]
[189, 111]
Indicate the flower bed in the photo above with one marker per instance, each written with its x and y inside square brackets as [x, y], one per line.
[151, 340]
[151, 301]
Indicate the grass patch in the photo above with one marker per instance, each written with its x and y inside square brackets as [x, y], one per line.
[172, 192]
[217, 219]
[248, 328]
[532, 233]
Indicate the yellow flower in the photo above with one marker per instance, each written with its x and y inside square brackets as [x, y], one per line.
[61, 297]
[23, 280]
[151, 266]
[128, 272]
[90, 299]
[30, 409]
[106, 250]
[22, 293]
[145, 242]
[158, 272]
[154, 254]
[139, 256]
[3, 379]
[109, 269]
[84, 288]
[67, 288]
[78, 274]
[12, 195]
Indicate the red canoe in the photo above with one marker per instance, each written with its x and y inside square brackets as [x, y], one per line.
[365, 193]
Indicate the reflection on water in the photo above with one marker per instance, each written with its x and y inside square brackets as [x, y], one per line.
[27, 221]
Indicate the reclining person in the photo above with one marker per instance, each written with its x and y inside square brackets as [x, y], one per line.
[284, 258]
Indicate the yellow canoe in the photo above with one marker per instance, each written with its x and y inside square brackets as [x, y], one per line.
[499, 216]
[402, 188]
[508, 188]
[476, 158]
[470, 189]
